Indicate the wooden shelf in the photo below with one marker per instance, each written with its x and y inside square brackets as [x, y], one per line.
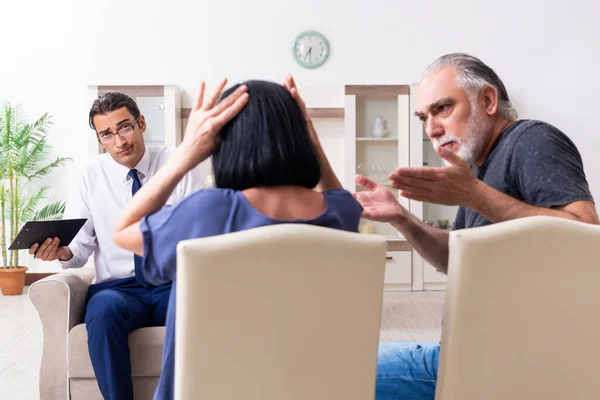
[399, 245]
[377, 90]
[134, 91]
[321, 112]
[376, 139]
[387, 184]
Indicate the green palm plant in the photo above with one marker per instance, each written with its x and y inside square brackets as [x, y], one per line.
[24, 154]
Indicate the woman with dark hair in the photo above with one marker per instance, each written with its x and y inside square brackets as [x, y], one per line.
[269, 169]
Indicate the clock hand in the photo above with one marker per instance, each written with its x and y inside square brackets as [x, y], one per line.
[308, 54]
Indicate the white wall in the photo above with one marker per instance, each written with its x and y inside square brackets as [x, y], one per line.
[546, 54]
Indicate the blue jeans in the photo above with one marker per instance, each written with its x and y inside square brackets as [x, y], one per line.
[407, 370]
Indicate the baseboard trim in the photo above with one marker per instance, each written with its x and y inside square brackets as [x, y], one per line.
[32, 277]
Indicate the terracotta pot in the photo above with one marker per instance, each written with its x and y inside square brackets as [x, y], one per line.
[12, 280]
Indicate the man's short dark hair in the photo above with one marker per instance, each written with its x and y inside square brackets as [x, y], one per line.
[267, 143]
[112, 101]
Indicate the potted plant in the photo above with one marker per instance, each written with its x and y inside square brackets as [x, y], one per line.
[23, 159]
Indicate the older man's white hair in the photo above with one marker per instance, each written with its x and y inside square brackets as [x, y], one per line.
[472, 74]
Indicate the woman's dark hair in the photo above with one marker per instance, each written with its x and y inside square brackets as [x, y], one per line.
[267, 143]
[112, 101]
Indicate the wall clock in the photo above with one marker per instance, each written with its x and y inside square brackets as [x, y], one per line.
[310, 49]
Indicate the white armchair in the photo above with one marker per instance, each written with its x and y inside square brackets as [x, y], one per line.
[66, 370]
[279, 312]
[521, 318]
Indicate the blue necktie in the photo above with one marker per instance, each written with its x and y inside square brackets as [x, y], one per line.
[137, 260]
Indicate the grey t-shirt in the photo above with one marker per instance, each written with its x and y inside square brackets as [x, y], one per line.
[535, 163]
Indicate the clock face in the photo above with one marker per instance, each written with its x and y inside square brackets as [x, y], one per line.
[310, 49]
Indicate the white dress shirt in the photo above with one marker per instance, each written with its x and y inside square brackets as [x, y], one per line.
[100, 194]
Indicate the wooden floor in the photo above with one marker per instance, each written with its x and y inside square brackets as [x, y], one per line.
[406, 316]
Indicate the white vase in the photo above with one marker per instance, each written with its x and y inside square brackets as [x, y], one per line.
[380, 127]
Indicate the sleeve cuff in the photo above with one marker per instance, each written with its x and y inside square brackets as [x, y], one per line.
[72, 263]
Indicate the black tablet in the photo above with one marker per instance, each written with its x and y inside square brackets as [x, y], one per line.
[38, 231]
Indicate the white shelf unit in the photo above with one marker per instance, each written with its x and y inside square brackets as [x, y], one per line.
[377, 157]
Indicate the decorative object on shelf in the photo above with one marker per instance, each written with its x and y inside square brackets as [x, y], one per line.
[380, 127]
[383, 172]
[443, 224]
[374, 172]
[360, 169]
[365, 226]
[310, 49]
[378, 172]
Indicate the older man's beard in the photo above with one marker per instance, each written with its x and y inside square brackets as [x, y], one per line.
[477, 131]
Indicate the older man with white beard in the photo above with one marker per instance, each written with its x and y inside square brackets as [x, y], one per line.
[498, 168]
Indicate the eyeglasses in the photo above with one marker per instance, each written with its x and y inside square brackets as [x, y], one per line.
[108, 136]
